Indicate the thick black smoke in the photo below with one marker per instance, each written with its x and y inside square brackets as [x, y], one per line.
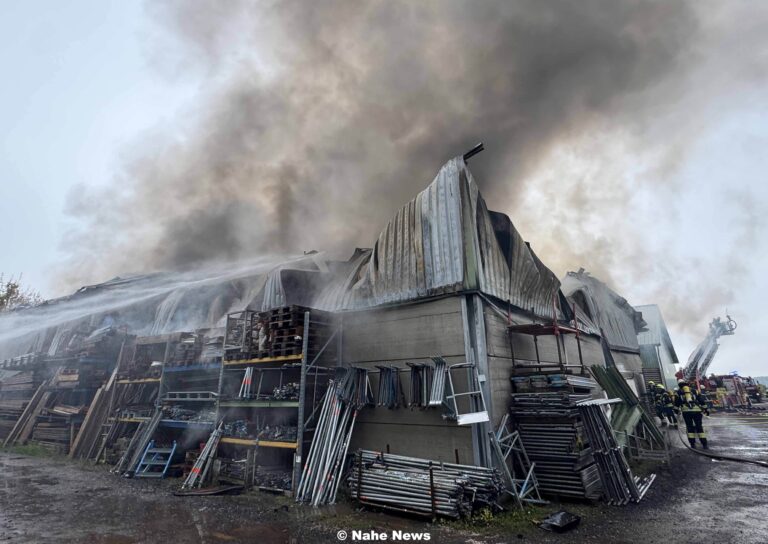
[316, 120]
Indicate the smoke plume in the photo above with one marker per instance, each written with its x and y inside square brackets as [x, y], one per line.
[317, 120]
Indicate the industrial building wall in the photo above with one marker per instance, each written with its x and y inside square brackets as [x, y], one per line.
[668, 366]
[500, 354]
[631, 367]
[396, 336]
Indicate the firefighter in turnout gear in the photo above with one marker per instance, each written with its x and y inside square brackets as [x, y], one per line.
[655, 397]
[693, 406]
[667, 405]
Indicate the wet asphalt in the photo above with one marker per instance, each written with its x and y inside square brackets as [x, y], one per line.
[693, 500]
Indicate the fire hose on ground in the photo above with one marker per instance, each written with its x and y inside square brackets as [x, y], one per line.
[719, 456]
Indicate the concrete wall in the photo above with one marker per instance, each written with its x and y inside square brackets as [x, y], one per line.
[415, 332]
[395, 336]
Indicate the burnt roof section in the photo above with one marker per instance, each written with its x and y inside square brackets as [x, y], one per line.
[446, 241]
[618, 321]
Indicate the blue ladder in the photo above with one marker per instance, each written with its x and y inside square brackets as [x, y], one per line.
[155, 461]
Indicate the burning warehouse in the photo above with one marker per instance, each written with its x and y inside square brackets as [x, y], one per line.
[448, 342]
[311, 309]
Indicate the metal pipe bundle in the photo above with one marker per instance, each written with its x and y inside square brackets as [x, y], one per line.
[245, 386]
[620, 486]
[437, 393]
[353, 386]
[390, 390]
[321, 475]
[421, 384]
[199, 472]
[421, 486]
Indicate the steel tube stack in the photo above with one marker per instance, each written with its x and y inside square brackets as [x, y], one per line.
[197, 476]
[437, 393]
[423, 487]
[327, 454]
[421, 385]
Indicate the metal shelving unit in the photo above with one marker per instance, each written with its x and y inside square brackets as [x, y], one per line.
[308, 372]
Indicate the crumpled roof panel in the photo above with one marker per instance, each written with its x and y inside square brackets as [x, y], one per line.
[444, 241]
[617, 319]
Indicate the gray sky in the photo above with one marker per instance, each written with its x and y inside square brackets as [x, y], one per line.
[89, 84]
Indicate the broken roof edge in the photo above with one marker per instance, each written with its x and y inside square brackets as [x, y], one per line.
[444, 241]
[617, 320]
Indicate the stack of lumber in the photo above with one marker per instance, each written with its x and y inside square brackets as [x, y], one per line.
[22, 430]
[53, 433]
[15, 393]
[88, 441]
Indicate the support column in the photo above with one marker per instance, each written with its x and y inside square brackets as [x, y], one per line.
[476, 352]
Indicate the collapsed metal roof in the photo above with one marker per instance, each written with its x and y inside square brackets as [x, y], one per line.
[617, 319]
[445, 240]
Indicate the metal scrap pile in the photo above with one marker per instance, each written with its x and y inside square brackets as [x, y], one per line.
[273, 479]
[279, 433]
[423, 487]
[552, 431]
[241, 428]
[288, 391]
[237, 428]
[183, 414]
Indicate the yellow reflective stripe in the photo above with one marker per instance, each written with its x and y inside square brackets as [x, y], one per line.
[691, 435]
[702, 435]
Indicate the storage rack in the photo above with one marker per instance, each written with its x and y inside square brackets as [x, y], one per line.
[282, 362]
[559, 331]
[543, 409]
[142, 389]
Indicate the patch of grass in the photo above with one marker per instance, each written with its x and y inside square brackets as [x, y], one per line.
[512, 522]
[350, 522]
[31, 450]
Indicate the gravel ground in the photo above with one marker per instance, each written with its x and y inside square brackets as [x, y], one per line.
[697, 499]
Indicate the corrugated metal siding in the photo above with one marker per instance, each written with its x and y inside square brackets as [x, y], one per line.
[657, 333]
[444, 241]
[618, 321]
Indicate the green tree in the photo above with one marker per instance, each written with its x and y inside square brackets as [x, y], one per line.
[13, 294]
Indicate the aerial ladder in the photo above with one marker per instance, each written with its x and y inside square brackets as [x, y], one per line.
[702, 356]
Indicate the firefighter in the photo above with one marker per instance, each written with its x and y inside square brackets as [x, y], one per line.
[653, 396]
[693, 406]
[668, 405]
